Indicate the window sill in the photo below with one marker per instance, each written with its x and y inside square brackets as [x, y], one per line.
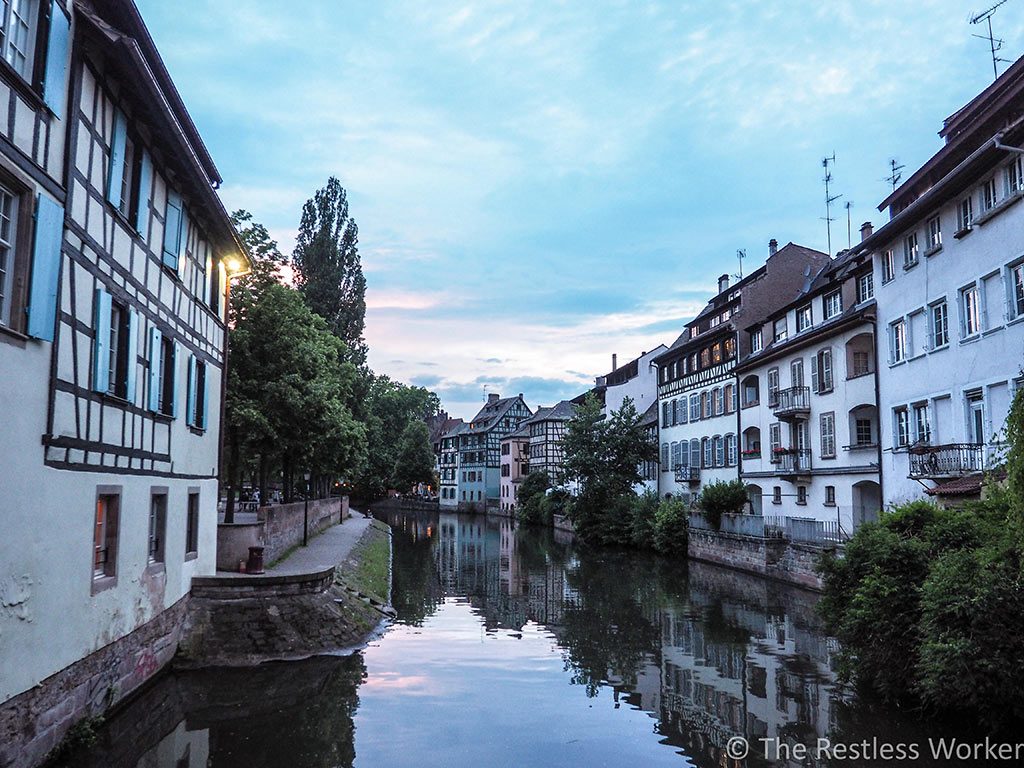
[970, 339]
[103, 583]
[886, 282]
[829, 457]
[898, 363]
[962, 233]
[859, 375]
[191, 556]
[909, 266]
[933, 250]
[801, 503]
[776, 502]
[1016, 320]
[156, 568]
[939, 348]
[18, 82]
[990, 331]
[200, 431]
[999, 207]
[826, 504]
[12, 337]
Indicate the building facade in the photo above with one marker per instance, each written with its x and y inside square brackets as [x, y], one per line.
[515, 465]
[697, 389]
[547, 429]
[479, 473]
[808, 405]
[448, 464]
[949, 271]
[115, 254]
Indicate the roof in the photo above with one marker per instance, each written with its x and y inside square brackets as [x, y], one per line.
[491, 413]
[440, 425]
[562, 411]
[968, 485]
[130, 51]
[650, 416]
[522, 432]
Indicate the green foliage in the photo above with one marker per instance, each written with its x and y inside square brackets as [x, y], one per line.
[79, 738]
[603, 455]
[327, 267]
[1015, 454]
[642, 514]
[414, 462]
[672, 527]
[532, 491]
[721, 498]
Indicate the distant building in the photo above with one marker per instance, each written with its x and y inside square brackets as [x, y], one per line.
[808, 411]
[649, 470]
[448, 462]
[515, 465]
[547, 429]
[480, 450]
[949, 277]
[697, 392]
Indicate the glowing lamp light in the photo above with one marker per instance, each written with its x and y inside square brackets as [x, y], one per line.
[233, 265]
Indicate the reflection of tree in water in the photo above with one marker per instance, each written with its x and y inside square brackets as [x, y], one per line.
[415, 589]
[614, 626]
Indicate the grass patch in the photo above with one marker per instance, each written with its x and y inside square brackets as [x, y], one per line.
[372, 564]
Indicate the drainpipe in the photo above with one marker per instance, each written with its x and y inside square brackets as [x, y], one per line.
[997, 142]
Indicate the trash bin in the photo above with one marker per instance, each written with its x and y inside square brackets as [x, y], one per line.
[255, 563]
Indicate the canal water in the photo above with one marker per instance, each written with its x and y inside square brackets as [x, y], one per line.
[515, 648]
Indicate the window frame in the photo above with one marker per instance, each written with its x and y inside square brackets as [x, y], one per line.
[13, 280]
[898, 341]
[934, 229]
[827, 437]
[192, 515]
[804, 318]
[911, 250]
[965, 214]
[756, 340]
[970, 304]
[865, 287]
[835, 297]
[888, 266]
[157, 537]
[109, 534]
[936, 310]
[31, 55]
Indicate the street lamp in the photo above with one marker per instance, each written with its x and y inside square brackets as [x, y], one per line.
[305, 511]
[234, 266]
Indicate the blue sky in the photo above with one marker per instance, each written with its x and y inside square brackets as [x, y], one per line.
[540, 184]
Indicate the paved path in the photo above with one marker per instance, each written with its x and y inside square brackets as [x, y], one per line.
[326, 550]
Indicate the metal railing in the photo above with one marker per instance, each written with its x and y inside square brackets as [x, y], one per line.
[951, 460]
[687, 474]
[793, 461]
[792, 401]
[803, 530]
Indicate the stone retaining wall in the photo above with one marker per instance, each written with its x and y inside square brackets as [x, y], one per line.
[34, 722]
[243, 587]
[779, 559]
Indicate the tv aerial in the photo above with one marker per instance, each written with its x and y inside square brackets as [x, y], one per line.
[894, 176]
[826, 162]
[995, 44]
[741, 254]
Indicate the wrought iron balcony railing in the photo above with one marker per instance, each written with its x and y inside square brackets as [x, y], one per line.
[687, 474]
[792, 402]
[794, 461]
[951, 460]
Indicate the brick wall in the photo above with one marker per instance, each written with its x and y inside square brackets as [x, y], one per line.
[775, 558]
[283, 524]
[34, 722]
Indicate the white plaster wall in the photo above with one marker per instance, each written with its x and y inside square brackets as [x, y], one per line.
[643, 388]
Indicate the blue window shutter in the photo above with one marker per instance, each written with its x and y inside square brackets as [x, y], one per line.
[145, 189]
[116, 170]
[55, 78]
[42, 300]
[172, 229]
[206, 397]
[156, 339]
[183, 242]
[101, 344]
[173, 373]
[133, 355]
[190, 403]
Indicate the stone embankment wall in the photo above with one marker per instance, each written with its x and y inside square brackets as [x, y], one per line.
[277, 529]
[779, 559]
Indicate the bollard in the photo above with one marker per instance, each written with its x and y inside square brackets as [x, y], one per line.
[255, 563]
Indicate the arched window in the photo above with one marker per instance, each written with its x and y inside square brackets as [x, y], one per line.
[708, 450]
[695, 453]
[751, 391]
[730, 450]
[705, 410]
[719, 444]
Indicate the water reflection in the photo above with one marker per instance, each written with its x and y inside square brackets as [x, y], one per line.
[514, 648]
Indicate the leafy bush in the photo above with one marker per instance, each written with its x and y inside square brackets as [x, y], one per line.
[642, 512]
[531, 494]
[671, 527]
[553, 503]
[721, 498]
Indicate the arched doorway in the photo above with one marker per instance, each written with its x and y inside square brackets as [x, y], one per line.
[867, 502]
[754, 496]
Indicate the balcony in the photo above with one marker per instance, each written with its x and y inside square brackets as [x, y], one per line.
[689, 475]
[792, 462]
[940, 461]
[792, 403]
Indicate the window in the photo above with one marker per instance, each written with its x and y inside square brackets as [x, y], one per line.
[716, 353]
[777, 495]
[861, 363]
[506, 449]
[828, 435]
[695, 450]
[864, 432]
[664, 414]
[719, 444]
[751, 391]
[773, 387]
[175, 232]
[214, 276]
[677, 455]
[675, 412]
[197, 394]
[729, 398]
[20, 19]
[775, 439]
[821, 371]
[830, 495]
[8, 231]
[708, 449]
[756, 341]
[718, 401]
[865, 287]
[988, 195]
[505, 470]
[910, 250]
[965, 214]
[898, 341]
[705, 358]
[664, 457]
[157, 526]
[922, 427]
[729, 348]
[730, 450]
[694, 407]
[934, 233]
[1014, 176]
[801, 494]
[705, 405]
[1017, 289]
[971, 303]
[781, 330]
[901, 427]
[888, 266]
[108, 509]
[803, 318]
[796, 373]
[940, 325]
[833, 304]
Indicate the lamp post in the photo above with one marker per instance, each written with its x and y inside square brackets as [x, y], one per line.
[234, 267]
[305, 511]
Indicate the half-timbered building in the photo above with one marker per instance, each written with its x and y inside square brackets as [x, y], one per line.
[115, 254]
[480, 450]
[547, 430]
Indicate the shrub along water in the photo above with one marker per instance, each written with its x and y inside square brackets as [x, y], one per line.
[721, 498]
[928, 602]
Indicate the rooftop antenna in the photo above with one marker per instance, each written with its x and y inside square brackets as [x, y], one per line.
[741, 254]
[995, 44]
[829, 198]
[849, 231]
[894, 177]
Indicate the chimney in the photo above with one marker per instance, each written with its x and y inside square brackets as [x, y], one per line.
[865, 231]
[723, 283]
[615, 362]
[773, 247]
[492, 398]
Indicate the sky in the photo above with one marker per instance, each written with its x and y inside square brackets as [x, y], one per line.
[541, 184]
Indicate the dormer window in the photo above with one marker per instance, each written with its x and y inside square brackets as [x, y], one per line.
[781, 330]
[833, 305]
[756, 340]
[803, 318]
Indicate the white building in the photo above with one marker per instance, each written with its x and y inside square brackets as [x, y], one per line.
[515, 466]
[113, 246]
[949, 277]
[808, 409]
[697, 391]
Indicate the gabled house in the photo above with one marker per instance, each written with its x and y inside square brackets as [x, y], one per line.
[547, 429]
[480, 450]
[448, 463]
[515, 465]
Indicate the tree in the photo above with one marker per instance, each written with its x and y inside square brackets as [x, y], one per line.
[414, 462]
[327, 267]
[720, 498]
[531, 494]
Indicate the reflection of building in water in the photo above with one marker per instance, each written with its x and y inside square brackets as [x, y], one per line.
[180, 748]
